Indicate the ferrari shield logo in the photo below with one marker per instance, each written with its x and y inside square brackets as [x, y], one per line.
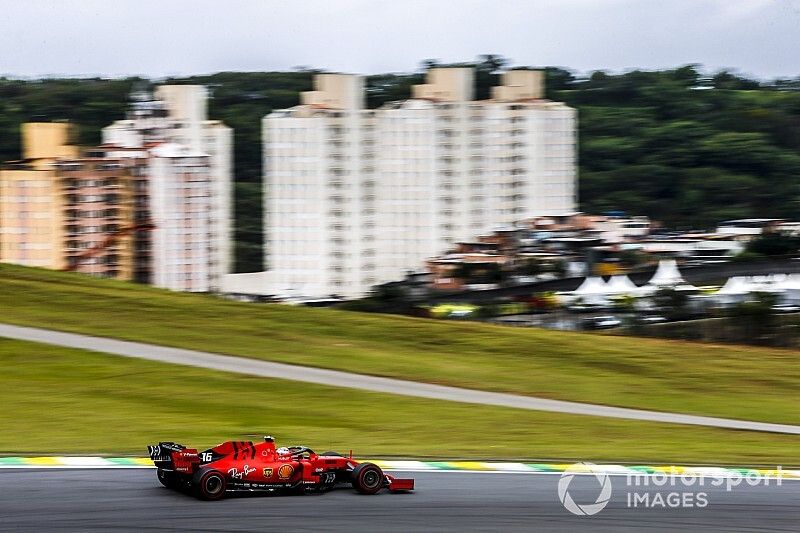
[267, 472]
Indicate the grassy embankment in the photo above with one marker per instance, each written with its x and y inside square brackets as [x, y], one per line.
[729, 381]
[60, 401]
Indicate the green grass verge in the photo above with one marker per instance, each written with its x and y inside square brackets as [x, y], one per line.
[58, 400]
[728, 381]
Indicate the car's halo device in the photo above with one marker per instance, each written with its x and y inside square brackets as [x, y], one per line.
[245, 466]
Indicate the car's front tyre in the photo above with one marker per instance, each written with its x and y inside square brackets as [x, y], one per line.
[368, 478]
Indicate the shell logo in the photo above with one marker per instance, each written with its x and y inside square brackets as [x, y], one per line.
[285, 471]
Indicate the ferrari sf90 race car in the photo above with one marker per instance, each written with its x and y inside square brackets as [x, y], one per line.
[244, 466]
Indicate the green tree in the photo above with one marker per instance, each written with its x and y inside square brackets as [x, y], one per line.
[673, 303]
[772, 244]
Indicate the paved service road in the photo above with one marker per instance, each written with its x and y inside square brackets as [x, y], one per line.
[255, 367]
[133, 500]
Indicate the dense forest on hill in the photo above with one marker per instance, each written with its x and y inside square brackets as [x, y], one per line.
[683, 147]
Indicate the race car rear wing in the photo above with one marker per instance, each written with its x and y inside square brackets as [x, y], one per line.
[163, 450]
[172, 456]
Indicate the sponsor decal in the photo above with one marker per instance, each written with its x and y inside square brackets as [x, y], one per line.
[285, 471]
[235, 474]
[267, 472]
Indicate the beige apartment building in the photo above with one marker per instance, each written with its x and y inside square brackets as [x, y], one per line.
[65, 211]
[32, 206]
[98, 223]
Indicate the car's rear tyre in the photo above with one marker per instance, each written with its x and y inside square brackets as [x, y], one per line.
[209, 484]
[368, 478]
[168, 479]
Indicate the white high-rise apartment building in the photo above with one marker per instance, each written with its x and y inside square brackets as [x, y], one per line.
[357, 197]
[188, 161]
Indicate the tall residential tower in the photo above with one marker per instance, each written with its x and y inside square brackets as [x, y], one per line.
[188, 192]
[357, 197]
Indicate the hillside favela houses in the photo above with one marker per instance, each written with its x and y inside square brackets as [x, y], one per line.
[356, 197]
[579, 244]
[151, 204]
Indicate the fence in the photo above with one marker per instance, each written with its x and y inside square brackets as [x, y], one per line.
[781, 331]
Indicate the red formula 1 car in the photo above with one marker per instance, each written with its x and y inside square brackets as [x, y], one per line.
[247, 467]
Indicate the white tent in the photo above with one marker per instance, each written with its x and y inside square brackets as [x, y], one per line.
[621, 284]
[668, 275]
[778, 278]
[591, 285]
[592, 291]
[788, 282]
[736, 285]
[789, 288]
[736, 290]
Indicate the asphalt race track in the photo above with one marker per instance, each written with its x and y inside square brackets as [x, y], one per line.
[132, 500]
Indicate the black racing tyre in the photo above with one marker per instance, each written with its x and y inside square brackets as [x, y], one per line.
[209, 484]
[368, 478]
[168, 479]
[332, 454]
